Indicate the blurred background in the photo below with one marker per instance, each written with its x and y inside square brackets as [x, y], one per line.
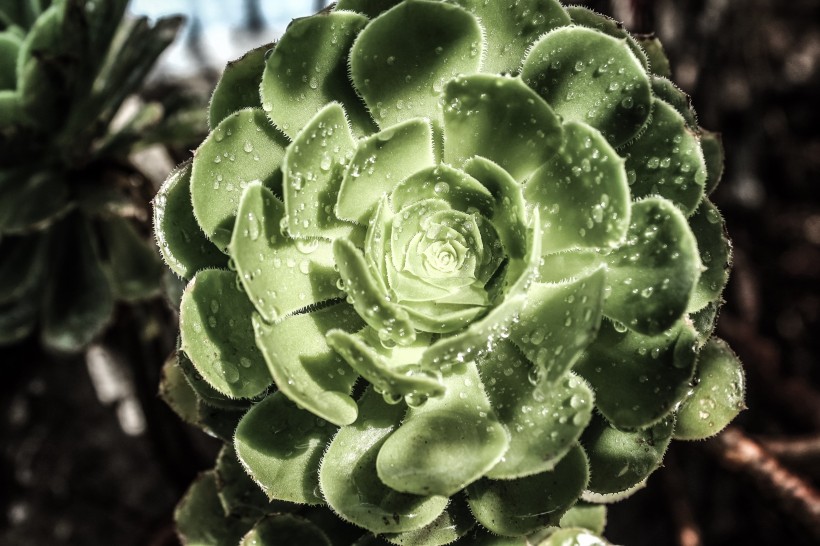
[90, 455]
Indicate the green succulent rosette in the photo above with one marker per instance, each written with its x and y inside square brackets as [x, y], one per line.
[74, 216]
[472, 274]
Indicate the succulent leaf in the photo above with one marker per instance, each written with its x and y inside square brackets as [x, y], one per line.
[518, 507]
[201, 520]
[351, 485]
[281, 447]
[717, 396]
[287, 529]
[217, 335]
[238, 88]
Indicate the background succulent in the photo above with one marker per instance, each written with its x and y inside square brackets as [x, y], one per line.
[73, 207]
[497, 217]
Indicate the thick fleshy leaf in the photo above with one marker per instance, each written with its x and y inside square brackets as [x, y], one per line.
[510, 29]
[41, 77]
[402, 59]
[10, 112]
[558, 323]
[18, 318]
[238, 493]
[184, 246]
[718, 394]
[447, 442]
[573, 537]
[705, 321]
[244, 147]
[204, 391]
[281, 446]
[31, 199]
[509, 213]
[518, 507]
[301, 77]
[305, 368]
[382, 161]
[371, 8]
[200, 520]
[313, 169]
[658, 63]
[666, 160]
[715, 254]
[394, 372]
[349, 481]
[480, 336]
[565, 266]
[639, 379]
[285, 529]
[220, 423]
[591, 517]
[451, 525]
[238, 87]
[499, 118]
[619, 460]
[670, 93]
[175, 391]
[78, 301]
[609, 26]
[588, 76]
[9, 48]
[581, 193]
[651, 277]
[279, 275]
[544, 419]
[371, 303]
[712, 145]
[460, 190]
[216, 333]
[134, 268]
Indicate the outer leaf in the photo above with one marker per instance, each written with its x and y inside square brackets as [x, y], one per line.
[78, 302]
[22, 261]
[621, 460]
[176, 392]
[666, 160]
[279, 275]
[184, 247]
[301, 78]
[717, 396]
[588, 76]
[670, 93]
[216, 330]
[218, 422]
[653, 274]
[243, 148]
[655, 53]
[285, 529]
[200, 519]
[609, 26]
[581, 193]
[401, 61]
[585, 516]
[451, 525]
[205, 392]
[382, 161]
[639, 379]
[238, 87]
[712, 144]
[715, 254]
[313, 170]
[544, 419]
[9, 49]
[518, 507]
[304, 366]
[348, 475]
[501, 119]
[371, 8]
[510, 29]
[433, 452]
[238, 493]
[18, 318]
[558, 323]
[281, 445]
[31, 199]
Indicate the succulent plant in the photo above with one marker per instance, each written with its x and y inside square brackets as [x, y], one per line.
[453, 275]
[73, 209]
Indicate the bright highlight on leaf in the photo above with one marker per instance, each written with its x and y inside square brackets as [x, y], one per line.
[480, 270]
